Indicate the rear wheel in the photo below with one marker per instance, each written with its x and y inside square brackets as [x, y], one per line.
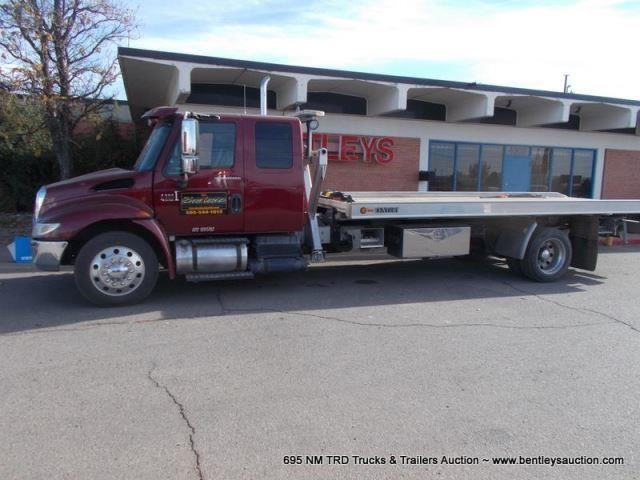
[548, 255]
[116, 268]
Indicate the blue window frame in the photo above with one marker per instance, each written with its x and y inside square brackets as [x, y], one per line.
[465, 166]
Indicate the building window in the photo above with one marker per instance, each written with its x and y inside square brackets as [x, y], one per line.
[274, 145]
[491, 168]
[467, 163]
[582, 173]
[442, 160]
[229, 95]
[540, 169]
[501, 116]
[561, 170]
[330, 102]
[463, 166]
[422, 110]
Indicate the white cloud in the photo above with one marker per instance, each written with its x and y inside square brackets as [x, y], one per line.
[533, 46]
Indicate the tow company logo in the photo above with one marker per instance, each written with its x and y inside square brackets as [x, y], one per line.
[356, 148]
[365, 210]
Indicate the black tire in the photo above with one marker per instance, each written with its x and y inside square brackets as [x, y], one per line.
[515, 265]
[548, 255]
[116, 268]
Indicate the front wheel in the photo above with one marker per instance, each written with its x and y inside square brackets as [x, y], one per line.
[548, 255]
[116, 268]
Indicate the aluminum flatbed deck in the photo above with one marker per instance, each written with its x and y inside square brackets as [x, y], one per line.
[418, 205]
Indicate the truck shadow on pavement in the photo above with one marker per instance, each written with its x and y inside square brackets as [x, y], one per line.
[32, 301]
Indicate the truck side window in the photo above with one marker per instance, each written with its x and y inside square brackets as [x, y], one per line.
[217, 144]
[217, 148]
[274, 147]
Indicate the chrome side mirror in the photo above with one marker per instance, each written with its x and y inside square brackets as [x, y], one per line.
[189, 165]
[189, 146]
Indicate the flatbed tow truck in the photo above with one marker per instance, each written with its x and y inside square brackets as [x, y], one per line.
[539, 234]
[419, 205]
[227, 197]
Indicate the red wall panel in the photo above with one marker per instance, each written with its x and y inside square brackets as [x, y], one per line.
[369, 163]
[621, 178]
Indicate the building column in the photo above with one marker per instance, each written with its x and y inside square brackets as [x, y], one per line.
[469, 106]
[292, 91]
[391, 99]
[179, 85]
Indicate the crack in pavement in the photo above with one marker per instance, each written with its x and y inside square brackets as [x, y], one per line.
[433, 325]
[583, 310]
[227, 310]
[230, 311]
[192, 430]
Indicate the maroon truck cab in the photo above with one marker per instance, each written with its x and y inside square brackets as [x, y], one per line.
[243, 211]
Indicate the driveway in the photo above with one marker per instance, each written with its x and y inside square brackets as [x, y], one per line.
[359, 362]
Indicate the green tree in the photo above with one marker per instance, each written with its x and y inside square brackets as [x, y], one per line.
[104, 145]
[59, 52]
[26, 159]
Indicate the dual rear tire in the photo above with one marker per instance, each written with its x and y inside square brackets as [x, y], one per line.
[547, 258]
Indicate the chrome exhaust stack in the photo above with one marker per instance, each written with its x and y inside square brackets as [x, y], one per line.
[263, 94]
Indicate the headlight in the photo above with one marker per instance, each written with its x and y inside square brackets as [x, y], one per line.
[42, 229]
[39, 201]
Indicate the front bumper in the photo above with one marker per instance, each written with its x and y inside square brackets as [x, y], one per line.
[48, 255]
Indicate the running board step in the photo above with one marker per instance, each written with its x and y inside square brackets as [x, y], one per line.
[207, 277]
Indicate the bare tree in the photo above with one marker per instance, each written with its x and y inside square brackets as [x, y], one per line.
[59, 51]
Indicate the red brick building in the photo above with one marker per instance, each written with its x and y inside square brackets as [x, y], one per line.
[389, 133]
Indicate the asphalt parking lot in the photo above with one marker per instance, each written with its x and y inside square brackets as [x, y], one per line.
[437, 359]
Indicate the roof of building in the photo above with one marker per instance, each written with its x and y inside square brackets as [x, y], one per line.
[377, 77]
[153, 78]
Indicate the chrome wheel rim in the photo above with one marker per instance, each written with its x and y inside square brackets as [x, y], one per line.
[117, 271]
[551, 256]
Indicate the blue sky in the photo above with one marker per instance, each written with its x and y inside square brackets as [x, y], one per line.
[516, 43]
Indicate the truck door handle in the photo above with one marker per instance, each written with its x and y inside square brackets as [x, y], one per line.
[236, 204]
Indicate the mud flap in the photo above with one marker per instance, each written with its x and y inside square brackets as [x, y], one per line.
[513, 237]
[584, 242]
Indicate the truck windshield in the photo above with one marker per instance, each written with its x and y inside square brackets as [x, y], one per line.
[147, 159]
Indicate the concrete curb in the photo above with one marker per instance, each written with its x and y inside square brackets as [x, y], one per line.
[10, 267]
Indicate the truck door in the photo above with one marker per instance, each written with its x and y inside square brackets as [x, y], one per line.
[274, 188]
[212, 201]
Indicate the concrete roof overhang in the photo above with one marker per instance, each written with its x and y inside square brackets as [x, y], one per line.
[154, 78]
[534, 111]
[604, 116]
[139, 88]
[381, 98]
[461, 104]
